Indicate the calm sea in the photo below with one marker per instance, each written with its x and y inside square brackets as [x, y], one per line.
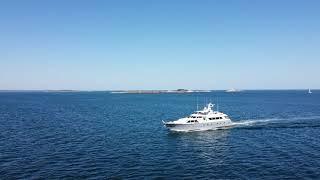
[98, 135]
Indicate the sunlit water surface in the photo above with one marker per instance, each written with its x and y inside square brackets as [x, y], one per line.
[100, 135]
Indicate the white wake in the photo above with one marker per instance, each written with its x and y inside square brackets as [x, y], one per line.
[251, 122]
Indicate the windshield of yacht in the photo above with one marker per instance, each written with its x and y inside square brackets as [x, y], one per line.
[201, 113]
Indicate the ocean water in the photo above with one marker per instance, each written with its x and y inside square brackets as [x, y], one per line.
[98, 135]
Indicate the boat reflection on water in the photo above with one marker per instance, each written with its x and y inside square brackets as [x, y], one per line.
[211, 146]
[209, 135]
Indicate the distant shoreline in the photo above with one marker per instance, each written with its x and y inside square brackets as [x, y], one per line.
[41, 91]
[153, 91]
[157, 91]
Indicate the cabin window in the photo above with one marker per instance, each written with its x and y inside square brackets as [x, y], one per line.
[196, 121]
[188, 122]
[220, 117]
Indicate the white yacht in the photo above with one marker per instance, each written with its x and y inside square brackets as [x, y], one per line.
[310, 92]
[206, 119]
[232, 90]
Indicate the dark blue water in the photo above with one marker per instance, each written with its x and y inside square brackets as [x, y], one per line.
[100, 135]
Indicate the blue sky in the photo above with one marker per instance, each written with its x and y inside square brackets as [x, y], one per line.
[163, 44]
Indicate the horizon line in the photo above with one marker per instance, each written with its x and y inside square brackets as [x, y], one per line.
[110, 90]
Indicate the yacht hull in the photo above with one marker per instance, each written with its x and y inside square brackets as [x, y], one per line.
[199, 126]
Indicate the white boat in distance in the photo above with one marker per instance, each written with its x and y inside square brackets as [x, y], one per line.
[309, 91]
[232, 90]
[206, 119]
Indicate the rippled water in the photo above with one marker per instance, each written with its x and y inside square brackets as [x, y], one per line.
[100, 135]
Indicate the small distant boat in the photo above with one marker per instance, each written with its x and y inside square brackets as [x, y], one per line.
[232, 90]
[309, 91]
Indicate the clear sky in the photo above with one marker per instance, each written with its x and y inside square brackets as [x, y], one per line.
[159, 44]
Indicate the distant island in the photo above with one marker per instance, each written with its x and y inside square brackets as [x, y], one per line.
[157, 91]
[45, 90]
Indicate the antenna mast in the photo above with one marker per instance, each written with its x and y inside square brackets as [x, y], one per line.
[197, 104]
[217, 104]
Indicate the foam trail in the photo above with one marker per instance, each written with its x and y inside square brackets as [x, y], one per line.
[251, 122]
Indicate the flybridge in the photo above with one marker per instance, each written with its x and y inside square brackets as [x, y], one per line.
[208, 108]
